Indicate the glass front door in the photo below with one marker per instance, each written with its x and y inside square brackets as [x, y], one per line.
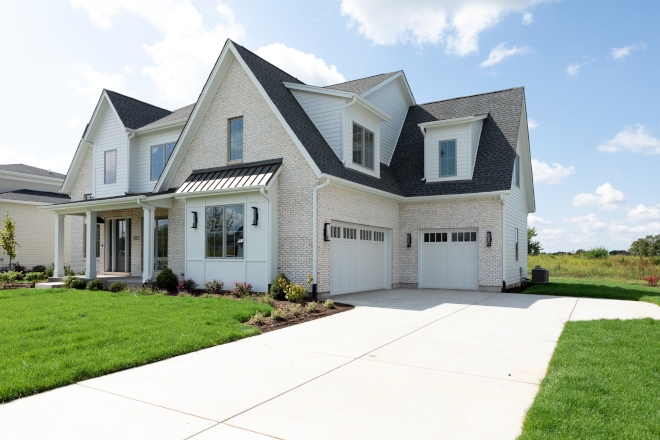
[162, 229]
[120, 230]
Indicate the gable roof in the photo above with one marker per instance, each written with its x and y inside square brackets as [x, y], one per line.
[134, 113]
[28, 195]
[34, 171]
[359, 86]
[178, 115]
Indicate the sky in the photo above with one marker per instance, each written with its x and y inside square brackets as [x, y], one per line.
[590, 71]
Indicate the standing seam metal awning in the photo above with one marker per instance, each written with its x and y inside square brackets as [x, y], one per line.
[234, 176]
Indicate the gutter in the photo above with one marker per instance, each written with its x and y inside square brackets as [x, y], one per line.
[315, 233]
[503, 244]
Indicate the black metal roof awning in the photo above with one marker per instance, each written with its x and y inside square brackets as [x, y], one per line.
[234, 176]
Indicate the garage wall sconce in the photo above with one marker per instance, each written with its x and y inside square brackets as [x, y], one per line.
[409, 240]
[489, 238]
[194, 222]
[326, 236]
[255, 216]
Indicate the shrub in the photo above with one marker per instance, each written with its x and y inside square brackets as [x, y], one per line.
[69, 272]
[266, 299]
[77, 283]
[295, 292]
[329, 304]
[214, 286]
[258, 319]
[166, 279]
[34, 276]
[95, 285]
[82, 272]
[242, 289]
[9, 277]
[313, 307]
[597, 252]
[277, 288]
[653, 281]
[278, 315]
[19, 268]
[39, 268]
[295, 309]
[68, 280]
[187, 286]
[117, 286]
[49, 272]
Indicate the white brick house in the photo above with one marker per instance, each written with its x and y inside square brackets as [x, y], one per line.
[355, 184]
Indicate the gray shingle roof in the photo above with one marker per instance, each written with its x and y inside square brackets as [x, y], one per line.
[359, 86]
[134, 113]
[180, 114]
[28, 195]
[27, 169]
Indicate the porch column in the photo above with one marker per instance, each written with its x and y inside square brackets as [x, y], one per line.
[90, 238]
[59, 246]
[148, 240]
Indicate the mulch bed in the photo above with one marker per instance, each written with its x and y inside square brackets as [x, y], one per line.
[16, 286]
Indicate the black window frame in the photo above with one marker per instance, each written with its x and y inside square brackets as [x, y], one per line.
[224, 234]
[230, 140]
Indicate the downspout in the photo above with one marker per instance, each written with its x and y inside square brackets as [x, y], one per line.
[315, 232]
[128, 162]
[147, 265]
[262, 190]
[503, 244]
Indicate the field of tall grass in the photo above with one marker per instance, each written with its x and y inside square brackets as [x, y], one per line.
[613, 267]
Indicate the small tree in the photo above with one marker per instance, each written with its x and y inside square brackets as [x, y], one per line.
[8, 237]
[533, 247]
[646, 247]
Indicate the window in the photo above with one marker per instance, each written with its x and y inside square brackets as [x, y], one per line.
[335, 232]
[379, 236]
[98, 239]
[160, 154]
[363, 146]
[224, 231]
[365, 235]
[162, 231]
[463, 236]
[516, 244]
[447, 158]
[516, 170]
[350, 233]
[111, 166]
[236, 139]
[435, 237]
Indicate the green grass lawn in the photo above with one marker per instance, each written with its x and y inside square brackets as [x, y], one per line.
[603, 383]
[597, 288]
[54, 337]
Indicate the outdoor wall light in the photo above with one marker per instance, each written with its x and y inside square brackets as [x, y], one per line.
[489, 238]
[326, 236]
[409, 240]
[194, 223]
[255, 216]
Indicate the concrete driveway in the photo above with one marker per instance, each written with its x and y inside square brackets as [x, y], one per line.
[422, 364]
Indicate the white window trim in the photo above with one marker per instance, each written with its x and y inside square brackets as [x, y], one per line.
[440, 159]
[105, 167]
[165, 160]
[359, 118]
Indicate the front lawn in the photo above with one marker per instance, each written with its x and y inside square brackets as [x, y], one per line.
[54, 337]
[597, 288]
[603, 383]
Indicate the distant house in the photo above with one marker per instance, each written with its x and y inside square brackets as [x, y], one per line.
[355, 184]
[22, 189]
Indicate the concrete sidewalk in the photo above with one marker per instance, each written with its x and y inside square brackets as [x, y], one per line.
[423, 364]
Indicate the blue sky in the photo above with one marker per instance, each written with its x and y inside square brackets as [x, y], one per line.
[590, 72]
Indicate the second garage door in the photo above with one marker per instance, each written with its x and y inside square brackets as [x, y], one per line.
[450, 259]
[358, 258]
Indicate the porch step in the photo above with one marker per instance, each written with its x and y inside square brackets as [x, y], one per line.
[53, 285]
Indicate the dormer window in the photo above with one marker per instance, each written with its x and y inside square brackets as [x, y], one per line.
[363, 146]
[447, 158]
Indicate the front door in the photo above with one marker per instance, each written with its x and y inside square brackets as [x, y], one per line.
[120, 231]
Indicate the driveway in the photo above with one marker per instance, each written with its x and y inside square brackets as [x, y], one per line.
[422, 364]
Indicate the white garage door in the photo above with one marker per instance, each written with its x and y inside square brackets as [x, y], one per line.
[358, 258]
[450, 259]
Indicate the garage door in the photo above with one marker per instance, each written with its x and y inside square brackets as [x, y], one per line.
[358, 258]
[450, 259]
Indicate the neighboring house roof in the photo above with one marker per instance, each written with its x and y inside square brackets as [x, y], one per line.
[28, 195]
[180, 114]
[359, 86]
[234, 176]
[134, 113]
[34, 171]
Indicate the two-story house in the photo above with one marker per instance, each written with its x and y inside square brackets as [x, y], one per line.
[355, 184]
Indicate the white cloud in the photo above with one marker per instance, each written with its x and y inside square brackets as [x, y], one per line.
[527, 18]
[622, 52]
[637, 141]
[582, 219]
[641, 213]
[455, 24]
[56, 162]
[130, 70]
[532, 124]
[605, 195]
[552, 174]
[610, 207]
[573, 69]
[185, 55]
[75, 121]
[91, 83]
[304, 66]
[533, 220]
[502, 52]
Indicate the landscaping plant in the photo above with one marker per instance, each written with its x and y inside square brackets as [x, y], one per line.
[8, 237]
[278, 286]
[39, 268]
[278, 315]
[77, 283]
[117, 286]
[329, 304]
[258, 319]
[34, 276]
[242, 289]
[95, 285]
[10, 277]
[313, 307]
[653, 281]
[187, 286]
[49, 272]
[166, 279]
[295, 292]
[214, 286]
[69, 272]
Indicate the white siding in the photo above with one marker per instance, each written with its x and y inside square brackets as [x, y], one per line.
[141, 157]
[110, 135]
[476, 135]
[369, 122]
[326, 113]
[390, 99]
[459, 132]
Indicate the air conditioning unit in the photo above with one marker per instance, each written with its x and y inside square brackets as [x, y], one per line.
[540, 275]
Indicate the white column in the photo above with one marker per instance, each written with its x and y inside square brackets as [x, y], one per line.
[59, 246]
[90, 264]
[148, 240]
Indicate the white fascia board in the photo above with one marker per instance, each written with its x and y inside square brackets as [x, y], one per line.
[445, 122]
[320, 90]
[94, 205]
[531, 198]
[31, 178]
[22, 202]
[174, 124]
[402, 78]
[76, 163]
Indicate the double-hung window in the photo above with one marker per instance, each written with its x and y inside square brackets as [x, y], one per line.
[447, 158]
[224, 231]
[516, 170]
[363, 146]
[236, 139]
[110, 166]
[160, 154]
